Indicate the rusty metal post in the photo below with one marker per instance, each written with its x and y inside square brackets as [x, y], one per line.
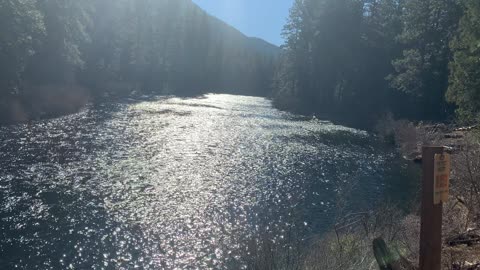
[431, 216]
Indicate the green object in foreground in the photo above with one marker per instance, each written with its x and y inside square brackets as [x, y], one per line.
[386, 259]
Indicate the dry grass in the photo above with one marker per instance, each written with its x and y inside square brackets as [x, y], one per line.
[349, 246]
[461, 258]
[462, 212]
[352, 249]
[466, 180]
[409, 137]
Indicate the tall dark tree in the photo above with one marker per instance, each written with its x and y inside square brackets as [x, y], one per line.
[464, 89]
[422, 71]
[358, 59]
[322, 41]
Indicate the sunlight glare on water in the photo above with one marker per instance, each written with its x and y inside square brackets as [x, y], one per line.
[172, 183]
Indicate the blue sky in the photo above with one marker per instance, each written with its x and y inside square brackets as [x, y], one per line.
[255, 18]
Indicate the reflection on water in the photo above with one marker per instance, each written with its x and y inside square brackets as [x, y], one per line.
[178, 183]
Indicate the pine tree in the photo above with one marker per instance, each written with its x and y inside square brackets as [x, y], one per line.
[464, 89]
[422, 71]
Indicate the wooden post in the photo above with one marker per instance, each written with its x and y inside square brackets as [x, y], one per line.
[431, 217]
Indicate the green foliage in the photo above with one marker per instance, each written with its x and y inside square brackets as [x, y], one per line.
[361, 58]
[21, 28]
[464, 89]
[422, 71]
[352, 59]
[60, 55]
[322, 41]
[337, 54]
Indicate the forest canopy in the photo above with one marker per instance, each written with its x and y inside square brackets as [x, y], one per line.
[350, 59]
[362, 58]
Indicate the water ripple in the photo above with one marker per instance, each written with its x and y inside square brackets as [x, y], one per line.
[170, 183]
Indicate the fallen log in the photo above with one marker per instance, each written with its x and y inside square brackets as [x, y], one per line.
[468, 239]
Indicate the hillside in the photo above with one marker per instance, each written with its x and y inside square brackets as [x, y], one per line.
[57, 55]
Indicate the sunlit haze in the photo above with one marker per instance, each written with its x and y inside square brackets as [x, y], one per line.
[263, 19]
[239, 134]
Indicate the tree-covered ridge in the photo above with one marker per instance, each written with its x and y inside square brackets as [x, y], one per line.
[362, 58]
[355, 59]
[68, 51]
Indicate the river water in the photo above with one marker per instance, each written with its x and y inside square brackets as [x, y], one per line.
[172, 183]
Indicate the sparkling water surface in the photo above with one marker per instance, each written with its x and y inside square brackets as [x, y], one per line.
[180, 183]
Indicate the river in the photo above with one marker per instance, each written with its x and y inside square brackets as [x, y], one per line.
[181, 183]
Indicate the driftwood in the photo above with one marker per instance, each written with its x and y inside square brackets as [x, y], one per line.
[467, 128]
[468, 238]
[467, 267]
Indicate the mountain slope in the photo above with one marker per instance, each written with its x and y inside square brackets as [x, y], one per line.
[75, 50]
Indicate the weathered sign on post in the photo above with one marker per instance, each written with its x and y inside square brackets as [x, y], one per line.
[436, 170]
[441, 178]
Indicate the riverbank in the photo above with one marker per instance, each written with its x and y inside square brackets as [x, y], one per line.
[461, 215]
[349, 243]
[461, 224]
[55, 100]
[42, 102]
